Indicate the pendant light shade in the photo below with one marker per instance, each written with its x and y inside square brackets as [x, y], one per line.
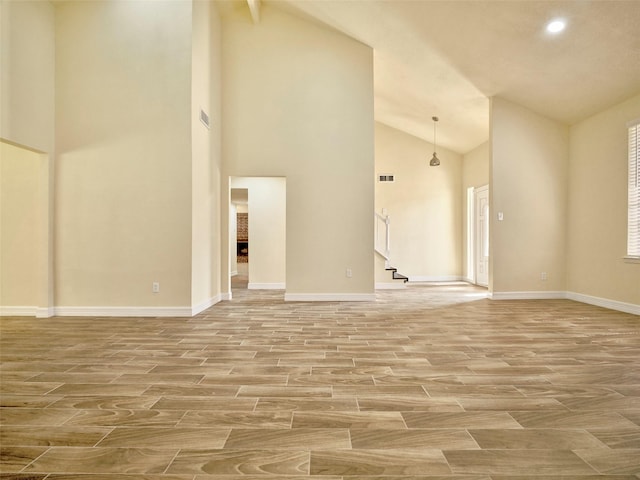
[435, 161]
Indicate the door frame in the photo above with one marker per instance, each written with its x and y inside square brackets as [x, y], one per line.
[476, 235]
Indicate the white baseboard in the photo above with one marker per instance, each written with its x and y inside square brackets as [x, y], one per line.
[578, 297]
[23, 311]
[30, 311]
[266, 286]
[45, 312]
[435, 278]
[137, 311]
[390, 285]
[18, 311]
[196, 309]
[123, 311]
[604, 302]
[532, 295]
[329, 297]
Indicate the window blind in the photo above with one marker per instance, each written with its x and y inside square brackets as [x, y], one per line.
[633, 225]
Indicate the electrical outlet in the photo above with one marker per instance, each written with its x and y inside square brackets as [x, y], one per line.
[155, 287]
[543, 276]
[349, 273]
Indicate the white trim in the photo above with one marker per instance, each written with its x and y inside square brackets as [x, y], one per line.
[381, 253]
[398, 284]
[435, 278]
[19, 311]
[633, 123]
[329, 297]
[45, 312]
[604, 302]
[123, 311]
[196, 309]
[534, 295]
[470, 240]
[266, 286]
[630, 259]
[481, 232]
[24, 311]
[578, 297]
[633, 190]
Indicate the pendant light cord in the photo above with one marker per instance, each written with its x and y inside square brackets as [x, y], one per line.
[435, 120]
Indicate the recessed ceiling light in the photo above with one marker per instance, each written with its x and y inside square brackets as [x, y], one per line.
[556, 26]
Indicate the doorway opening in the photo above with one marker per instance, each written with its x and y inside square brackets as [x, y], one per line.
[257, 233]
[239, 237]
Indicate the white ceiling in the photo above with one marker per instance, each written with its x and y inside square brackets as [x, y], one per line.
[445, 58]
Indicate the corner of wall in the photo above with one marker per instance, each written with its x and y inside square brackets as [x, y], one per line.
[529, 177]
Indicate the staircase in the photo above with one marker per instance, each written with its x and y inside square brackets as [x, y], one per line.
[382, 245]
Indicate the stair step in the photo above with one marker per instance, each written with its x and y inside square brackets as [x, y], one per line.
[396, 275]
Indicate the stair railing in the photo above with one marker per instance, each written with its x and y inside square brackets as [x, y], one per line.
[383, 236]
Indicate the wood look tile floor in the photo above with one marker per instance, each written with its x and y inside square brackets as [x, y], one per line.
[433, 382]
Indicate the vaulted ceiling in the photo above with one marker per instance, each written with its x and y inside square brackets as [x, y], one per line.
[446, 58]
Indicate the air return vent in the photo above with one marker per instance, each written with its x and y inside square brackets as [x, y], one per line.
[204, 118]
[387, 177]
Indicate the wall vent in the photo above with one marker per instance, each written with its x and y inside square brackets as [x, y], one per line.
[386, 178]
[204, 118]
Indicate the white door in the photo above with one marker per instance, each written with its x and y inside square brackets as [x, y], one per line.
[482, 235]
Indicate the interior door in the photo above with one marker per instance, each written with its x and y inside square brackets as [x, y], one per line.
[482, 235]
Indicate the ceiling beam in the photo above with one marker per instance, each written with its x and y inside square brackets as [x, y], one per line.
[254, 8]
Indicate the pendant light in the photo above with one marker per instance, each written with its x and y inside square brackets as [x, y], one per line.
[435, 161]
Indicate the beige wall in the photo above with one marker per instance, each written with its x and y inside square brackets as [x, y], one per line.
[205, 174]
[27, 104]
[267, 209]
[27, 73]
[424, 204]
[529, 163]
[21, 229]
[298, 103]
[475, 173]
[124, 134]
[475, 167]
[597, 219]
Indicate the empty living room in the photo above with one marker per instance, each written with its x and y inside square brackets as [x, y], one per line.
[319, 239]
